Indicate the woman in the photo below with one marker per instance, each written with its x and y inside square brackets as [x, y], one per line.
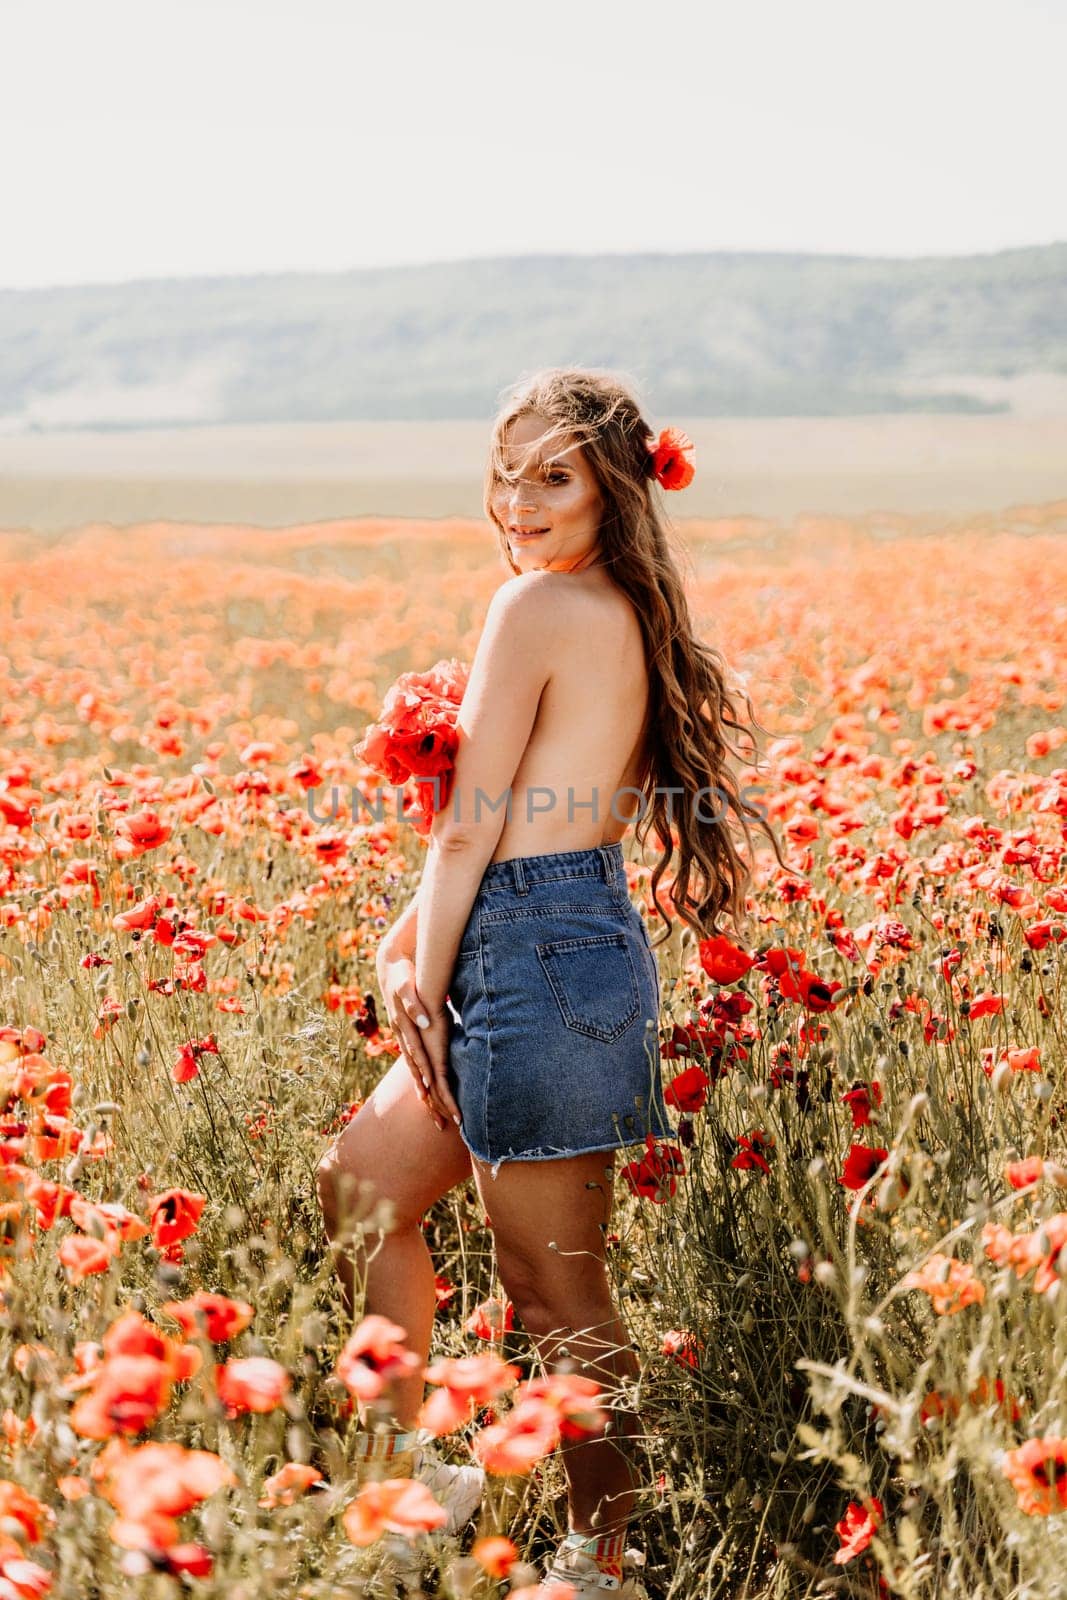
[520, 980]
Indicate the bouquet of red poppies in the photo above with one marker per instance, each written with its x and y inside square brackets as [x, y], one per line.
[415, 738]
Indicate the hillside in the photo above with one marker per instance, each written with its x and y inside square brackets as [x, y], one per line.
[740, 335]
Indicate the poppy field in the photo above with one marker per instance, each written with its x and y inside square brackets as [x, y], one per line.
[844, 1276]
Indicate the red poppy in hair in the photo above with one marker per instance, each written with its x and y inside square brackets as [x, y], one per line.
[667, 460]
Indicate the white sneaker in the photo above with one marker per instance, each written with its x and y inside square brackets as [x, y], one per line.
[458, 1489]
[575, 1567]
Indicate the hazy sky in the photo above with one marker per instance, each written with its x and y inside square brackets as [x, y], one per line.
[143, 138]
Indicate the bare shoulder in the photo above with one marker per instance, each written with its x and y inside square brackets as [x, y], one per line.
[599, 606]
[528, 609]
[560, 603]
[529, 592]
[522, 622]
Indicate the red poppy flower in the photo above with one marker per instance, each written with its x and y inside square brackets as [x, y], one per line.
[844, 942]
[985, 1005]
[1037, 1471]
[813, 992]
[393, 1505]
[174, 1215]
[258, 752]
[513, 1446]
[52, 1200]
[495, 1554]
[251, 1383]
[41, 1085]
[133, 1335]
[375, 1355]
[193, 943]
[194, 1560]
[690, 1039]
[475, 1379]
[490, 1320]
[1025, 1060]
[861, 1164]
[688, 1091]
[416, 737]
[668, 459]
[331, 845]
[1043, 1250]
[682, 1345]
[722, 961]
[857, 1528]
[306, 773]
[139, 916]
[13, 811]
[1021, 1174]
[861, 1099]
[951, 1284]
[215, 1316]
[21, 1507]
[284, 1486]
[574, 1398]
[139, 833]
[780, 959]
[753, 1151]
[82, 1256]
[157, 1480]
[105, 1218]
[187, 1063]
[128, 1394]
[653, 1177]
[53, 1138]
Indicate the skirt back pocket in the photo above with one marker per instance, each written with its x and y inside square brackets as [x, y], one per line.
[594, 983]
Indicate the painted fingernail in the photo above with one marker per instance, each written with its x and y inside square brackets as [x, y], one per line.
[423, 1022]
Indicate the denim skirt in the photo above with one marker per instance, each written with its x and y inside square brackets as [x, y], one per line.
[554, 999]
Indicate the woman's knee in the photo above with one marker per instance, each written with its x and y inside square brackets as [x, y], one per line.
[548, 1300]
[337, 1187]
[355, 1187]
[345, 1180]
[392, 1152]
[544, 1317]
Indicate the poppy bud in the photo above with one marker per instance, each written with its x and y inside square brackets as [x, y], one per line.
[1001, 1078]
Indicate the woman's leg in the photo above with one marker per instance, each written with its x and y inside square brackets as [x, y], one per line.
[549, 1219]
[393, 1144]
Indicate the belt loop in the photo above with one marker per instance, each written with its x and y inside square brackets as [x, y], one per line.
[520, 876]
[607, 866]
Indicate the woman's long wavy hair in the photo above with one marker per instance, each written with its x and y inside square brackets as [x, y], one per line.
[691, 702]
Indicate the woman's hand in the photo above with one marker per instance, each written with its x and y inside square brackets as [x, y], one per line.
[435, 1037]
[423, 1035]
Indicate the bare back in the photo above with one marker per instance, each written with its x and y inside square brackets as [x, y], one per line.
[588, 742]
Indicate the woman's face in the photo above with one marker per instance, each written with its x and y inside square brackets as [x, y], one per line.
[551, 514]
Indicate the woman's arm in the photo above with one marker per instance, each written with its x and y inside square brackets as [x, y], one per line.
[404, 1009]
[399, 938]
[449, 883]
[512, 664]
